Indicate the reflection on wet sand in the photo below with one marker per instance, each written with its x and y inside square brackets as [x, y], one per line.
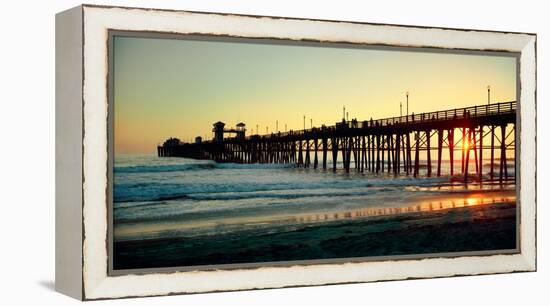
[422, 206]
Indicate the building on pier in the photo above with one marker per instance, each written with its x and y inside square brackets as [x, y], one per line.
[220, 130]
[240, 130]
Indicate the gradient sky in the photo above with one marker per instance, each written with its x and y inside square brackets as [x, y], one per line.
[179, 88]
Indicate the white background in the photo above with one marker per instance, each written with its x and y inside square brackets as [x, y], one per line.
[27, 159]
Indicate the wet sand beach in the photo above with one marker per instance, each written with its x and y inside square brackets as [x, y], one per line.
[488, 226]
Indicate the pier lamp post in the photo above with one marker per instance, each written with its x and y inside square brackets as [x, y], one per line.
[311, 122]
[407, 94]
[285, 128]
[257, 130]
[344, 113]
[400, 109]
[276, 126]
[488, 94]
[304, 122]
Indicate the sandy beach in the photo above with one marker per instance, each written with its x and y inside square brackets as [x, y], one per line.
[483, 226]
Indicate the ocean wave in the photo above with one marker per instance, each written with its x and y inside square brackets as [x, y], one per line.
[294, 194]
[255, 166]
[235, 206]
[195, 166]
[212, 189]
[164, 168]
[285, 194]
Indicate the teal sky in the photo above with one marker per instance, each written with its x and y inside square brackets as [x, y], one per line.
[178, 88]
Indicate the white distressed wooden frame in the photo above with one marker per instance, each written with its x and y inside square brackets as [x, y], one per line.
[81, 151]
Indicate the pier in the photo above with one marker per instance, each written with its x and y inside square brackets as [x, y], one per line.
[392, 145]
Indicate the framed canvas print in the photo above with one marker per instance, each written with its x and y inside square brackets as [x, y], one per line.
[201, 152]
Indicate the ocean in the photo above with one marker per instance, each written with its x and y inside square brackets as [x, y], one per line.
[173, 200]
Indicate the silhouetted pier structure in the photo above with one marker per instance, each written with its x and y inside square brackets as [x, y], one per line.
[382, 145]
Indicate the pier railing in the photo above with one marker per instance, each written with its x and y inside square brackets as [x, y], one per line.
[450, 114]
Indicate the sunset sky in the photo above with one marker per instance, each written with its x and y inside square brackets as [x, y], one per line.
[179, 88]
